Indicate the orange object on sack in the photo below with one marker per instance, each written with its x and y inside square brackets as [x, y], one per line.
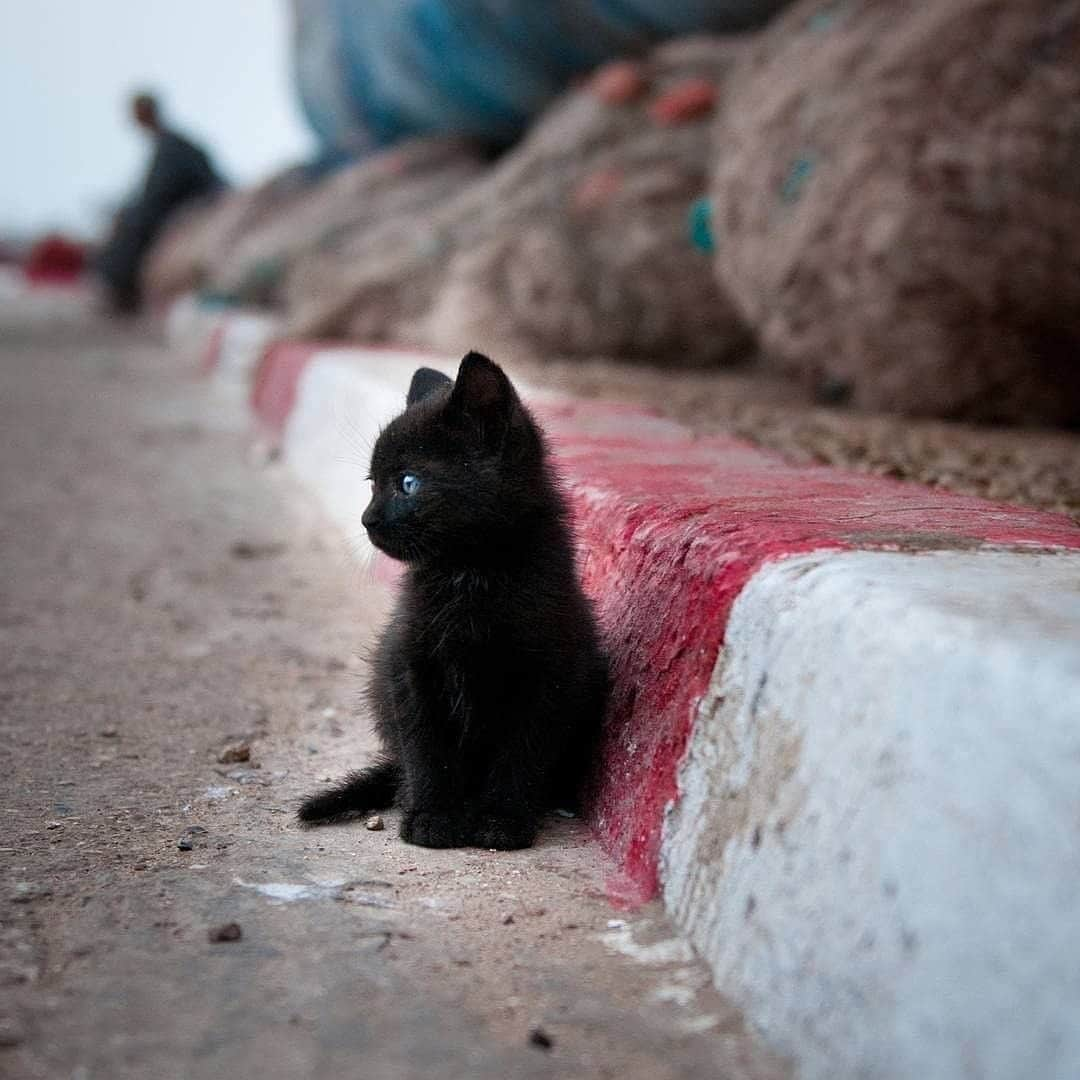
[687, 100]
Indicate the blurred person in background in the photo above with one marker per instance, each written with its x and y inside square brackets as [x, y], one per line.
[179, 172]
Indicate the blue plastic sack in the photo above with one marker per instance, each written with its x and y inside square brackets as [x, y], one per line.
[371, 72]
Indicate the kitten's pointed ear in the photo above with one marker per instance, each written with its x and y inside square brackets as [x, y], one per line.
[482, 389]
[485, 403]
[425, 381]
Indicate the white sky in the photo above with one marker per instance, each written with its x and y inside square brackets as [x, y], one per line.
[221, 68]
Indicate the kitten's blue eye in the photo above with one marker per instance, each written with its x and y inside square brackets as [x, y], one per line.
[410, 483]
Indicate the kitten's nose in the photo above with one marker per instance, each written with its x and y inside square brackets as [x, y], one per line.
[369, 516]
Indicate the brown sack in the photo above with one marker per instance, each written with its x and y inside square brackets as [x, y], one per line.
[577, 242]
[896, 203]
[199, 237]
[407, 179]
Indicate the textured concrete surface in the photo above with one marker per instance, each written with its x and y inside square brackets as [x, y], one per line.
[876, 844]
[162, 598]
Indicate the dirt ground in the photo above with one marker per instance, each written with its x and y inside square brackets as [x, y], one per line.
[1034, 467]
[162, 598]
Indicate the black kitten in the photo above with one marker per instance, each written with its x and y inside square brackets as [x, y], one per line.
[488, 684]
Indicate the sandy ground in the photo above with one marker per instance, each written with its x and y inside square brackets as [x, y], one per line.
[163, 597]
[1033, 467]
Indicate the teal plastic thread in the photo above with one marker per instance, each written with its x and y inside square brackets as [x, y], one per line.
[798, 175]
[699, 222]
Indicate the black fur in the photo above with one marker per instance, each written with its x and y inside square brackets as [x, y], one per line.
[488, 683]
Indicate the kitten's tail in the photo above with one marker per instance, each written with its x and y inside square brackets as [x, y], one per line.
[372, 788]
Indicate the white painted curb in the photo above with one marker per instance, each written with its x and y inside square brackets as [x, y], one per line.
[190, 327]
[242, 344]
[878, 843]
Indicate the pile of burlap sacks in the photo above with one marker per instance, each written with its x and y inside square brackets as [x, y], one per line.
[241, 248]
[879, 196]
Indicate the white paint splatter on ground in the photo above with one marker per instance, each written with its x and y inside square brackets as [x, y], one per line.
[283, 892]
[674, 950]
[679, 986]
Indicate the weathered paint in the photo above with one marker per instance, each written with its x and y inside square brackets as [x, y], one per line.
[273, 387]
[670, 534]
[876, 843]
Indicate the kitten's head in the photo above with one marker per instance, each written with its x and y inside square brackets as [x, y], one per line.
[461, 472]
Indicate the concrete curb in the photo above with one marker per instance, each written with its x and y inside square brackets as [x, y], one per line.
[826, 683]
[878, 842]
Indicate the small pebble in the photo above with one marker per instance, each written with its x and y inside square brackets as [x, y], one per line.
[228, 932]
[192, 835]
[539, 1037]
[374, 824]
[234, 753]
[109, 733]
[508, 920]
[54, 825]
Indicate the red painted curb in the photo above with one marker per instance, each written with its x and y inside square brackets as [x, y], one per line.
[278, 372]
[670, 535]
[671, 528]
[211, 356]
[273, 389]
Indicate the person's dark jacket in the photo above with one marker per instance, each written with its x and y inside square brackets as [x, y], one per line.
[179, 172]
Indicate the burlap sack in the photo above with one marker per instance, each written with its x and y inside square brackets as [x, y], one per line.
[896, 203]
[576, 242]
[200, 237]
[405, 180]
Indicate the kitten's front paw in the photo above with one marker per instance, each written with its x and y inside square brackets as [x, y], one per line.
[503, 833]
[431, 830]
